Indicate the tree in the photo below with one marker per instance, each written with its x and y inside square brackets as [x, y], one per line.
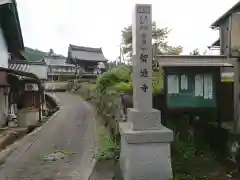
[195, 52]
[160, 45]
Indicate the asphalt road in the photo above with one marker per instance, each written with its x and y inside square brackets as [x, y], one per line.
[70, 131]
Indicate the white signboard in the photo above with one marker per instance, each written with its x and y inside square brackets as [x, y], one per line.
[142, 57]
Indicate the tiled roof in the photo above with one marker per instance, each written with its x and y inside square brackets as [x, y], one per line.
[56, 60]
[216, 43]
[20, 67]
[16, 61]
[233, 9]
[39, 70]
[86, 53]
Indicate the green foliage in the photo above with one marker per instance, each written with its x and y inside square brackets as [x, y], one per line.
[107, 146]
[186, 149]
[157, 81]
[159, 36]
[195, 52]
[33, 54]
[110, 78]
[123, 72]
[106, 80]
[123, 87]
[66, 77]
[119, 79]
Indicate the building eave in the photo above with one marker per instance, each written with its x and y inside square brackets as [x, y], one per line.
[43, 63]
[83, 48]
[226, 15]
[192, 60]
[216, 43]
[20, 73]
[10, 25]
[73, 56]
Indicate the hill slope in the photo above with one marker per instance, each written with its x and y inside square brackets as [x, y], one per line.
[33, 54]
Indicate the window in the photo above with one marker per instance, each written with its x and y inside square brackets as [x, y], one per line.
[173, 84]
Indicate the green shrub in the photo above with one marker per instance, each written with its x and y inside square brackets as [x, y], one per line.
[123, 72]
[106, 80]
[110, 78]
[123, 87]
[157, 81]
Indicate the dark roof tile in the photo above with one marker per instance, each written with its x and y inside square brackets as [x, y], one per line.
[86, 53]
[56, 60]
[216, 43]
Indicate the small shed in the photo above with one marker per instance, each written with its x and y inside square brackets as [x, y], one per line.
[191, 83]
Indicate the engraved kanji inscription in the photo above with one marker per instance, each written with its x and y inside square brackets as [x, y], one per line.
[143, 35]
[144, 72]
[144, 87]
[143, 19]
[145, 50]
[144, 41]
[142, 27]
[143, 57]
[143, 9]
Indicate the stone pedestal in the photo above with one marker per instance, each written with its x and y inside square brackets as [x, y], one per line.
[145, 154]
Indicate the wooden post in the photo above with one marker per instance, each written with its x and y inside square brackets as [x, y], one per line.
[237, 96]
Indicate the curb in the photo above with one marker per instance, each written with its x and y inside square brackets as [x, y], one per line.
[6, 152]
[88, 172]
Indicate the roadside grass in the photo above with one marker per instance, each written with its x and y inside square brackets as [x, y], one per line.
[106, 147]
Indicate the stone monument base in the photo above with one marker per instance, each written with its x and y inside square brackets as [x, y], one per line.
[145, 154]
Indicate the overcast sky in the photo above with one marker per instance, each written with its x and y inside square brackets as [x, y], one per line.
[98, 23]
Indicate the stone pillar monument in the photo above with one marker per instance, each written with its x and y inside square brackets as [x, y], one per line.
[145, 142]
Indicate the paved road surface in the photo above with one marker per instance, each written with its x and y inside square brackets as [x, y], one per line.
[71, 130]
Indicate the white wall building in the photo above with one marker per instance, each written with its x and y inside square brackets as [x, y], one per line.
[11, 42]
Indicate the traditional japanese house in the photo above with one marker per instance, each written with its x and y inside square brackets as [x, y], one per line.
[12, 81]
[58, 68]
[11, 45]
[222, 24]
[88, 59]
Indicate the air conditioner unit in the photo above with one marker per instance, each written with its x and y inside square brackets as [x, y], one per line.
[31, 87]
